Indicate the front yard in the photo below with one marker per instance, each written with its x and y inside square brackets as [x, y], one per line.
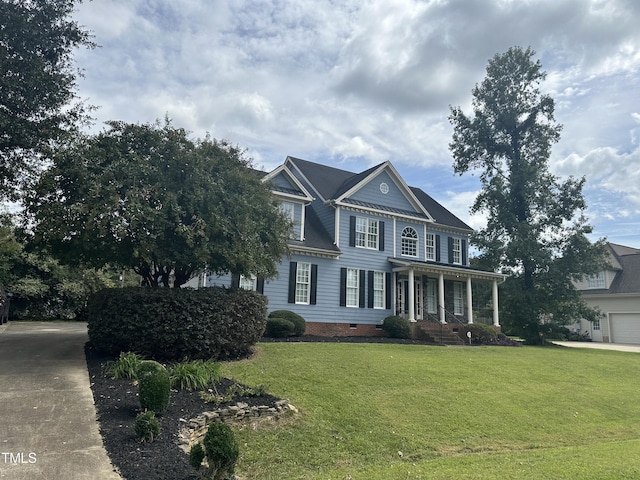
[383, 411]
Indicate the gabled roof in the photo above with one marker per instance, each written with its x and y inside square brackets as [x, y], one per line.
[626, 262]
[334, 184]
[296, 190]
[315, 236]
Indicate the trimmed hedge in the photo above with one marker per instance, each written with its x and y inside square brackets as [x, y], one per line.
[279, 328]
[174, 324]
[299, 324]
[481, 334]
[397, 327]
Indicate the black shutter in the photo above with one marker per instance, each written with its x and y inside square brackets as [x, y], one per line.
[314, 284]
[235, 280]
[370, 288]
[343, 287]
[352, 231]
[381, 236]
[437, 248]
[363, 277]
[463, 244]
[450, 244]
[260, 285]
[293, 269]
[387, 289]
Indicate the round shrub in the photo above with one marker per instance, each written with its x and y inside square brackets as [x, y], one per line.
[173, 324]
[481, 334]
[397, 327]
[154, 386]
[298, 322]
[222, 450]
[279, 328]
[147, 426]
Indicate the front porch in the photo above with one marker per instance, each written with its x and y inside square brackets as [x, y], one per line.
[441, 294]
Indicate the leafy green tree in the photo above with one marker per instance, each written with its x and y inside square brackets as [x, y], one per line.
[10, 248]
[535, 229]
[148, 197]
[38, 104]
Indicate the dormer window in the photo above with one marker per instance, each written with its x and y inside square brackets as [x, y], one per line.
[288, 210]
[596, 281]
[409, 243]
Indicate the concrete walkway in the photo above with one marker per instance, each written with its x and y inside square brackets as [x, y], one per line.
[620, 347]
[48, 427]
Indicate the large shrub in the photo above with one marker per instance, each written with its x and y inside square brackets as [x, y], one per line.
[279, 328]
[299, 325]
[481, 334]
[210, 323]
[397, 327]
[154, 386]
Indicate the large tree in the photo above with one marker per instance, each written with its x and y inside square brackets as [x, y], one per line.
[150, 198]
[535, 230]
[38, 103]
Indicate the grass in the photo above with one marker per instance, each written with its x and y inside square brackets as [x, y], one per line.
[379, 411]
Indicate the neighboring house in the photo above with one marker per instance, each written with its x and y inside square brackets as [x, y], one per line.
[616, 292]
[365, 246]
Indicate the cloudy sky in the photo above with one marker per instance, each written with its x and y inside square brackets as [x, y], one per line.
[353, 83]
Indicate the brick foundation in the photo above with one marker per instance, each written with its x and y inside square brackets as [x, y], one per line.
[343, 330]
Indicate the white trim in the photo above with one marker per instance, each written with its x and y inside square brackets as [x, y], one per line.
[283, 168]
[336, 227]
[302, 219]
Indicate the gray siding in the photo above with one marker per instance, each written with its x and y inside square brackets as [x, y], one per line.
[371, 193]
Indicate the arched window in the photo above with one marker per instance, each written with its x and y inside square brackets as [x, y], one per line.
[409, 245]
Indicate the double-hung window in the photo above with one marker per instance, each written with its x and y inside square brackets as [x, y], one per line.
[457, 299]
[366, 233]
[378, 290]
[248, 283]
[409, 242]
[456, 253]
[596, 281]
[430, 246]
[431, 296]
[353, 287]
[303, 283]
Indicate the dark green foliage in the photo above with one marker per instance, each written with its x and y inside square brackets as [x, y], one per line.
[154, 386]
[147, 426]
[397, 327]
[298, 322]
[194, 375]
[222, 450]
[173, 324]
[126, 367]
[196, 455]
[279, 328]
[481, 334]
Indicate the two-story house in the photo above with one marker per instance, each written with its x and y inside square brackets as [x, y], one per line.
[365, 246]
[616, 292]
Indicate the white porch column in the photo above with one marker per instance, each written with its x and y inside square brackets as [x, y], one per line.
[441, 298]
[412, 294]
[494, 292]
[469, 301]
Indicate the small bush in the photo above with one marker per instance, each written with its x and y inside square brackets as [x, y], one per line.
[481, 334]
[154, 386]
[397, 327]
[194, 375]
[298, 322]
[222, 451]
[125, 367]
[196, 455]
[279, 328]
[147, 426]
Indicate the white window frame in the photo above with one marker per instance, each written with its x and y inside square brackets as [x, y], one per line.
[409, 242]
[458, 298]
[596, 281]
[367, 231]
[379, 293]
[303, 283]
[432, 297]
[430, 246]
[353, 288]
[456, 251]
[288, 209]
[248, 283]
[596, 324]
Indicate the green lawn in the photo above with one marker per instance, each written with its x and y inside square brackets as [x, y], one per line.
[377, 411]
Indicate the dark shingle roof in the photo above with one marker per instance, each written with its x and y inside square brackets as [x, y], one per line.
[332, 182]
[315, 235]
[626, 280]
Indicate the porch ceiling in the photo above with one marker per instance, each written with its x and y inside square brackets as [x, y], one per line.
[449, 272]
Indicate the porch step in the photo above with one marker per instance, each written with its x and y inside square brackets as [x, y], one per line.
[437, 333]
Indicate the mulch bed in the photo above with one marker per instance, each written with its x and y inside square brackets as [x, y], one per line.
[117, 405]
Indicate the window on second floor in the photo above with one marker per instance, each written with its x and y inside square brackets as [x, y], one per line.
[409, 244]
[366, 233]
[596, 281]
[456, 251]
[288, 210]
[430, 245]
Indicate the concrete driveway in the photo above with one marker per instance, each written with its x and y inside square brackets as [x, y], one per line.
[601, 346]
[48, 427]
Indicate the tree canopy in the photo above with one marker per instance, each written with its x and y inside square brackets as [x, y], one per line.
[535, 229]
[148, 197]
[38, 104]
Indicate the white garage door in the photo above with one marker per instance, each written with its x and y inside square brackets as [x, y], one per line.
[625, 328]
